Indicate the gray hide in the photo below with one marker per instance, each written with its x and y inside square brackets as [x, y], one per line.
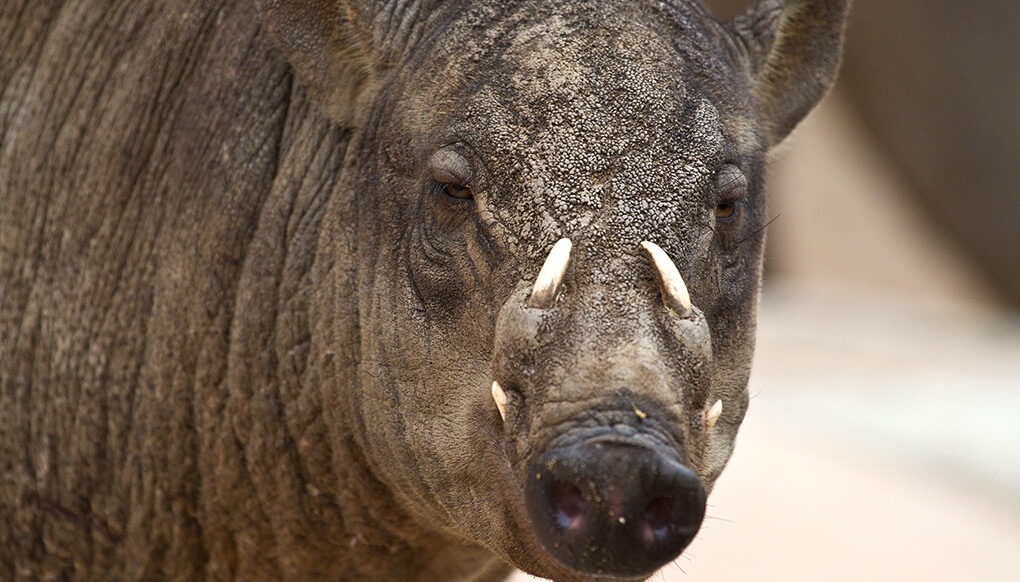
[260, 263]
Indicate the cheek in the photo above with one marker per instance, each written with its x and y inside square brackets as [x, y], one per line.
[442, 276]
[448, 273]
[433, 274]
[737, 287]
[731, 275]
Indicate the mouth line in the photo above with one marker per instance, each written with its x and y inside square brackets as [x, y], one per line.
[647, 437]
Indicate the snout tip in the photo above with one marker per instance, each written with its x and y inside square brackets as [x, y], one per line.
[613, 510]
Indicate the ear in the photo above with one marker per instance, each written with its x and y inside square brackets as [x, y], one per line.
[793, 49]
[329, 44]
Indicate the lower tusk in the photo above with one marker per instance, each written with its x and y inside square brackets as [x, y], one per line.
[500, 397]
[713, 414]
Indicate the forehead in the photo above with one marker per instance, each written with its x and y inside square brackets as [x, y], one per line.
[583, 96]
[592, 127]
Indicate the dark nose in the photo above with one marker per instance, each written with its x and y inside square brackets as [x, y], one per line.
[611, 509]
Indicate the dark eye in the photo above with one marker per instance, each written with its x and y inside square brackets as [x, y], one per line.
[731, 190]
[457, 191]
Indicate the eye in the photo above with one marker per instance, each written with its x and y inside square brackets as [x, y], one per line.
[731, 190]
[725, 210]
[457, 191]
[451, 172]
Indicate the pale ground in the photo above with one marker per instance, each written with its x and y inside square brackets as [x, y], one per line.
[883, 439]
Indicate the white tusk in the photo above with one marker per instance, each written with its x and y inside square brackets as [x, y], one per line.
[671, 284]
[543, 294]
[500, 397]
[713, 414]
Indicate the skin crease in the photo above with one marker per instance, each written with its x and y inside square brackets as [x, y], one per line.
[245, 336]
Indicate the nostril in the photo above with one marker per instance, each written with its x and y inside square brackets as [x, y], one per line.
[672, 517]
[569, 506]
[659, 516]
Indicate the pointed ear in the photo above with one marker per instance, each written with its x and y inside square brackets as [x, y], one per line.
[329, 46]
[793, 49]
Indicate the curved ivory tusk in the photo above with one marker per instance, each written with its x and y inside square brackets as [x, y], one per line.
[500, 397]
[543, 294]
[671, 284]
[713, 414]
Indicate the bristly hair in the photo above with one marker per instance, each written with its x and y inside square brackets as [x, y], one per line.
[757, 232]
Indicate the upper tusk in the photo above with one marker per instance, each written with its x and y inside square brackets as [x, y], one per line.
[671, 284]
[500, 397]
[543, 294]
[713, 414]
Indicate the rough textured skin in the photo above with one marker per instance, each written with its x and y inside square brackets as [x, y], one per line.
[243, 337]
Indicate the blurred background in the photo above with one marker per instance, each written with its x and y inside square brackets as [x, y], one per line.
[883, 439]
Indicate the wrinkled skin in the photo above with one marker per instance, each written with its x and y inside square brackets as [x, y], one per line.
[245, 333]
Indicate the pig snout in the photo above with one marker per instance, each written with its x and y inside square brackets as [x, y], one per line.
[613, 509]
[605, 487]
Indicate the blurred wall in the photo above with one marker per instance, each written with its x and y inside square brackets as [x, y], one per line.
[932, 89]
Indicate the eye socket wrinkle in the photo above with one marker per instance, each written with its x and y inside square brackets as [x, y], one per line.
[731, 181]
